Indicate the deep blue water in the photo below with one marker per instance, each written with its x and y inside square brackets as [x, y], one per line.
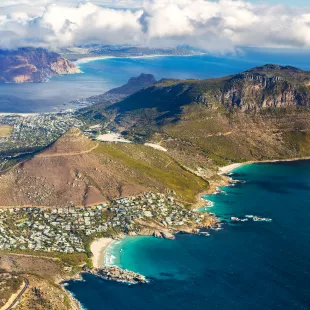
[249, 265]
[102, 75]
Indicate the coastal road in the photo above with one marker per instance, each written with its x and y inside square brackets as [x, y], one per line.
[21, 293]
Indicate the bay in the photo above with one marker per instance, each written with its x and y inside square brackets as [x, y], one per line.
[248, 265]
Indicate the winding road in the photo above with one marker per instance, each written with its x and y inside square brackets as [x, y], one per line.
[21, 293]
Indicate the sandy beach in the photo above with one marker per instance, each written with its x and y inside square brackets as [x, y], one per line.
[229, 168]
[94, 58]
[89, 59]
[97, 248]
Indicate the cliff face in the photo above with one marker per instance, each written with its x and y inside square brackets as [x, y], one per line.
[32, 65]
[255, 90]
[270, 86]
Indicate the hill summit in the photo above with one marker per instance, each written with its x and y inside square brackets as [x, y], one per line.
[78, 171]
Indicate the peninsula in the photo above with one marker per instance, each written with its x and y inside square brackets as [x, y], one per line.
[32, 65]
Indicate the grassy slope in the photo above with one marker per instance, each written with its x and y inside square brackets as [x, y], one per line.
[156, 169]
[5, 131]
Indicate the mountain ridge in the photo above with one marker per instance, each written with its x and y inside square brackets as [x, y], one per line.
[259, 114]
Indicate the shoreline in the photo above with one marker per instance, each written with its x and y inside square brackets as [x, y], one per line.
[94, 58]
[225, 179]
[98, 248]
[229, 168]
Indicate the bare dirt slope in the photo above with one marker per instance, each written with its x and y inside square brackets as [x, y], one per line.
[78, 171]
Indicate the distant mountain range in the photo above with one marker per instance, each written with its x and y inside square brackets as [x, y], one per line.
[77, 52]
[32, 65]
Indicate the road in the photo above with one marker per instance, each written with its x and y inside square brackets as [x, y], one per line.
[42, 155]
[21, 293]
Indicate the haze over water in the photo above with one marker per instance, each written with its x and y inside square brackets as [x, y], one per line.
[249, 265]
[101, 75]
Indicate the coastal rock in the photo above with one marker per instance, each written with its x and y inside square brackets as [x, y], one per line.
[157, 234]
[163, 234]
[167, 235]
[120, 275]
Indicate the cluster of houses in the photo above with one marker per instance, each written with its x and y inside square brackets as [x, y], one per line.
[51, 230]
[64, 229]
[154, 206]
[35, 130]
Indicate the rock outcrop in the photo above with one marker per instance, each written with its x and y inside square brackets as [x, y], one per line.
[119, 275]
[32, 65]
[163, 234]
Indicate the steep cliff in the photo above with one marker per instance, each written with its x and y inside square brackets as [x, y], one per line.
[32, 65]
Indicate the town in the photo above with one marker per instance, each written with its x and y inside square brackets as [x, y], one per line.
[32, 131]
[64, 229]
[26, 134]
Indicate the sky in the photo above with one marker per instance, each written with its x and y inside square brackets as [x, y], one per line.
[216, 26]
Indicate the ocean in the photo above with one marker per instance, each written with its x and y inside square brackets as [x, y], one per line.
[246, 265]
[101, 75]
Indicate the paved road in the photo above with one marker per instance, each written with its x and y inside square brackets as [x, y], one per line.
[21, 293]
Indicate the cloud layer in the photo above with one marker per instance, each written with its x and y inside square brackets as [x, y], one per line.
[215, 26]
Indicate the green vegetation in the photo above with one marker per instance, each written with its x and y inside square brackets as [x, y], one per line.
[9, 285]
[156, 167]
[71, 260]
[298, 141]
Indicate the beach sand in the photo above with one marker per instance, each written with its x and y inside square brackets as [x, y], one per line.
[97, 248]
[229, 168]
[84, 60]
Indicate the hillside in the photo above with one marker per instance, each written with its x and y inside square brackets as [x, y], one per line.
[98, 103]
[259, 114]
[78, 171]
[32, 65]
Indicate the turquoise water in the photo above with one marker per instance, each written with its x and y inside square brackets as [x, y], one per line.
[102, 75]
[248, 265]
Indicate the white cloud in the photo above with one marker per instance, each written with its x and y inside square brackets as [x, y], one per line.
[216, 26]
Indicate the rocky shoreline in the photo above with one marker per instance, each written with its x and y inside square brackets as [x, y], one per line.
[117, 274]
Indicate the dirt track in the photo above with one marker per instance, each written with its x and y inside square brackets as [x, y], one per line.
[42, 155]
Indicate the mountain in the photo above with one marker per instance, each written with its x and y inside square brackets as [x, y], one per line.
[92, 50]
[260, 114]
[76, 170]
[270, 86]
[32, 65]
[97, 103]
[134, 84]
